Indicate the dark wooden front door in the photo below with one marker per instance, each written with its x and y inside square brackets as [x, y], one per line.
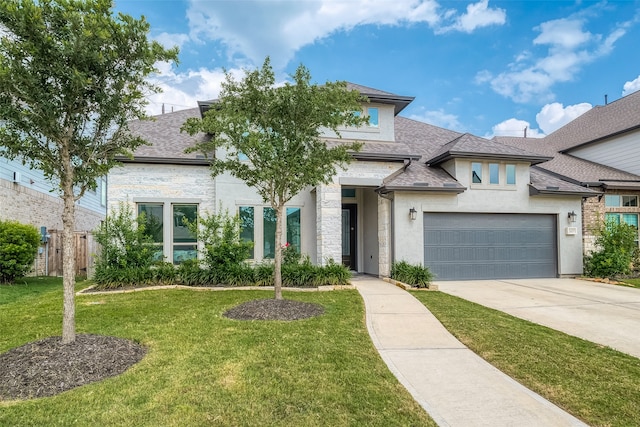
[349, 249]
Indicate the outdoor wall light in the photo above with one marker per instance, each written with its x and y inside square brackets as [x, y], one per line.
[412, 214]
[572, 217]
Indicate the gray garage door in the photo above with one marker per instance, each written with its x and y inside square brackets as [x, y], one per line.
[490, 246]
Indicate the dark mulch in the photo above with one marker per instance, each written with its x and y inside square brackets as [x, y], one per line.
[273, 309]
[47, 367]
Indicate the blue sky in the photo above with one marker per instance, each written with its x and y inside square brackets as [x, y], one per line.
[484, 67]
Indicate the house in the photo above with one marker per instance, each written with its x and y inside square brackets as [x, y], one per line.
[28, 197]
[467, 207]
[597, 150]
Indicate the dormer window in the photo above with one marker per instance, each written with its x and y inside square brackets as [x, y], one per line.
[372, 112]
[476, 173]
[491, 175]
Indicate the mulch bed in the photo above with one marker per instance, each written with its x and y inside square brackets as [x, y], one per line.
[48, 367]
[273, 309]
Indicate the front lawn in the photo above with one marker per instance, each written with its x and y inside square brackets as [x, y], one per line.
[635, 283]
[594, 383]
[204, 369]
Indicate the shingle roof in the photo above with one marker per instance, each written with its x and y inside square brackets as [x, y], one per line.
[544, 183]
[600, 122]
[468, 145]
[578, 170]
[420, 177]
[164, 134]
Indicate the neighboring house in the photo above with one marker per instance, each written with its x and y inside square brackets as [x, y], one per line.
[599, 150]
[467, 207]
[27, 196]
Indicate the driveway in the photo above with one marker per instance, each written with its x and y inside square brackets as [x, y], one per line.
[600, 313]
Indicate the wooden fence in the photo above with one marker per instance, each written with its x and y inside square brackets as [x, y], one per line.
[86, 249]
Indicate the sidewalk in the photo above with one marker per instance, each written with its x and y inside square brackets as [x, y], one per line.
[454, 385]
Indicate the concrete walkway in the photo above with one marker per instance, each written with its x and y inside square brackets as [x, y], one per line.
[597, 312]
[454, 385]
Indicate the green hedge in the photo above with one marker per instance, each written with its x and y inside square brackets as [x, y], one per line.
[18, 248]
[191, 273]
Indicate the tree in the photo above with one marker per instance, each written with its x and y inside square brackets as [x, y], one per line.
[278, 130]
[71, 76]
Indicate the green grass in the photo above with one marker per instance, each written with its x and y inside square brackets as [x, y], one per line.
[594, 383]
[632, 282]
[205, 369]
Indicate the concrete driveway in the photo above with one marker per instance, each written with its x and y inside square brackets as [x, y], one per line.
[601, 313]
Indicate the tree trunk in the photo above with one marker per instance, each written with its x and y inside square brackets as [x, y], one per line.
[68, 257]
[277, 273]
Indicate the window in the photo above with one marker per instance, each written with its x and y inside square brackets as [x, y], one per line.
[185, 245]
[268, 233]
[103, 192]
[511, 174]
[293, 228]
[348, 192]
[617, 218]
[247, 225]
[494, 173]
[614, 201]
[181, 244]
[476, 173]
[373, 116]
[152, 218]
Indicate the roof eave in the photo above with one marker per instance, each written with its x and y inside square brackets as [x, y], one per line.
[533, 191]
[390, 188]
[449, 155]
[368, 156]
[164, 161]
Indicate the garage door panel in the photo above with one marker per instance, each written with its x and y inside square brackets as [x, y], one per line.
[487, 246]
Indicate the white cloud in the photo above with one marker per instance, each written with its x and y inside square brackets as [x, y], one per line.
[632, 86]
[181, 90]
[438, 118]
[478, 15]
[569, 47]
[279, 28]
[563, 33]
[553, 116]
[514, 127]
[169, 40]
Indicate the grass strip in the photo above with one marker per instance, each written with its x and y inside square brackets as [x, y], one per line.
[205, 369]
[594, 383]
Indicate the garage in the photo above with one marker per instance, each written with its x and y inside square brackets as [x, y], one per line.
[460, 246]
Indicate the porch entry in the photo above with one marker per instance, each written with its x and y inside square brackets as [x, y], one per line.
[349, 236]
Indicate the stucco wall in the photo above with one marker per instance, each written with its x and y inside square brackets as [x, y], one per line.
[409, 237]
[384, 132]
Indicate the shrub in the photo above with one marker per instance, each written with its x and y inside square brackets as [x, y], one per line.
[617, 250]
[220, 236]
[18, 248]
[124, 241]
[414, 275]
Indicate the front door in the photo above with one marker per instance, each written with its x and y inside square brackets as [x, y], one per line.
[349, 253]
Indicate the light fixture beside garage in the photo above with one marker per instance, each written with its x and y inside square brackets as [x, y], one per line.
[572, 217]
[412, 214]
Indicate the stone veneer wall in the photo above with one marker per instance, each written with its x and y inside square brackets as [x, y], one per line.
[593, 211]
[33, 207]
[329, 223]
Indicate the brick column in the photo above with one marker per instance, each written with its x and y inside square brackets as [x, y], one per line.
[329, 223]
